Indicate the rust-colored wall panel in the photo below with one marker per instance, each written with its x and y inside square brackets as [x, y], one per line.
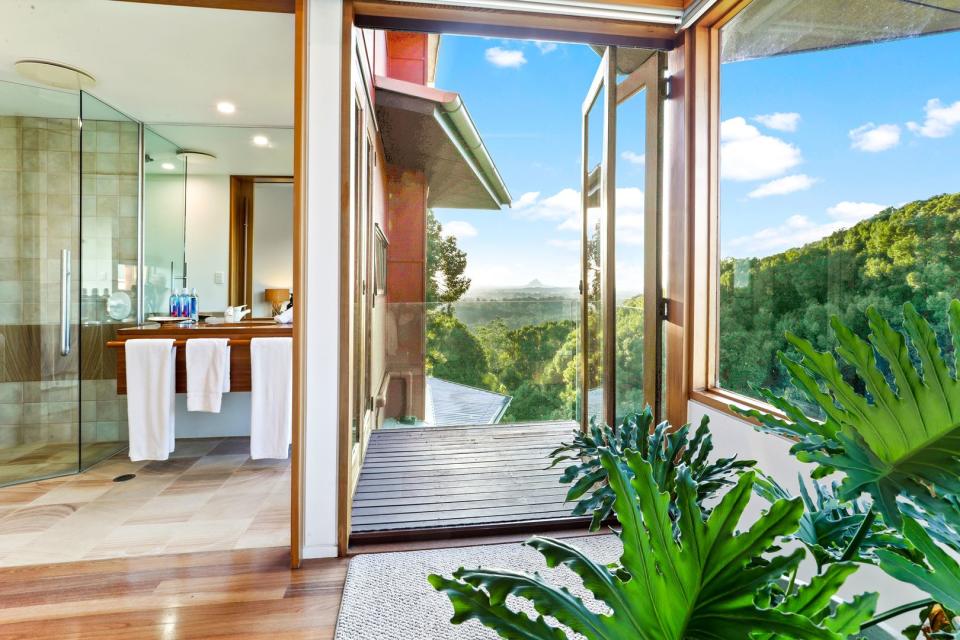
[406, 230]
[407, 56]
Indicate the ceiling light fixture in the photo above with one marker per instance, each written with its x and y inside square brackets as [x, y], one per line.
[169, 166]
[261, 141]
[226, 107]
[54, 74]
[194, 155]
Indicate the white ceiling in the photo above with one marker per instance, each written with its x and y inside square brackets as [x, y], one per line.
[161, 63]
[233, 146]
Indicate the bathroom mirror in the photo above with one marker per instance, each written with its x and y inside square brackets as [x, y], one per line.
[229, 232]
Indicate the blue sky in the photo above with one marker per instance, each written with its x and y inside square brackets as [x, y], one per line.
[811, 143]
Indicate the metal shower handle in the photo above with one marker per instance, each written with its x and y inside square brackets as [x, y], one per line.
[66, 275]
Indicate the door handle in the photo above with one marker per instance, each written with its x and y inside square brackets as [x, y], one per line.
[66, 275]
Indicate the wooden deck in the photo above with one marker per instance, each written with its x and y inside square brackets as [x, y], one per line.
[439, 479]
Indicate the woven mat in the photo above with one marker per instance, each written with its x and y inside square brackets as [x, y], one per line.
[387, 596]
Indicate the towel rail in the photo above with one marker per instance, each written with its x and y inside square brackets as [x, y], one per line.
[238, 342]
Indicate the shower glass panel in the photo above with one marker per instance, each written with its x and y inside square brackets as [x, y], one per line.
[39, 253]
[109, 184]
[164, 222]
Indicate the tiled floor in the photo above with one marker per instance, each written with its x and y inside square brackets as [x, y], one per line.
[43, 459]
[209, 496]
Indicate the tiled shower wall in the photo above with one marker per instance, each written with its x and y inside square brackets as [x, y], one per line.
[40, 204]
[110, 154]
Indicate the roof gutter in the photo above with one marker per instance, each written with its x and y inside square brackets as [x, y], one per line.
[454, 113]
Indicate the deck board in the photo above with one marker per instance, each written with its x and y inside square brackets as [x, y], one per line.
[446, 477]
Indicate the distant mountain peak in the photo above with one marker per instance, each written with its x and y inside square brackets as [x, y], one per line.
[533, 284]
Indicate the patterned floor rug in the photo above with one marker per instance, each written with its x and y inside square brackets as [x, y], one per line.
[387, 596]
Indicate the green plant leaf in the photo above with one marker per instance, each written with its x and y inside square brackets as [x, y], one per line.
[473, 603]
[901, 437]
[938, 574]
[682, 575]
[662, 446]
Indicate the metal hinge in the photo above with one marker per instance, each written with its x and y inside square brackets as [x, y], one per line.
[665, 87]
[665, 309]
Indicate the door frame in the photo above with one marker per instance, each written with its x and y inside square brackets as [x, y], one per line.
[300, 77]
[647, 78]
[240, 247]
[386, 14]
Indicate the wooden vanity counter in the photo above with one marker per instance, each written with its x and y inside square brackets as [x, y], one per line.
[239, 333]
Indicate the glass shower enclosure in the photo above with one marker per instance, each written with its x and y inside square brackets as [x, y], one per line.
[71, 181]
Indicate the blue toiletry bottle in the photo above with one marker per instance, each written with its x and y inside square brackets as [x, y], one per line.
[184, 303]
[194, 305]
[173, 307]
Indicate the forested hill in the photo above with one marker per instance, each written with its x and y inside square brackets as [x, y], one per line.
[910, 253]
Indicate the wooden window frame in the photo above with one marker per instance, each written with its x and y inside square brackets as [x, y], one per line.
[699, 247]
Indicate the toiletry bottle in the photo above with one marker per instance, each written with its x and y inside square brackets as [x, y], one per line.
[194, 305]
[184, 304]
[174, 306]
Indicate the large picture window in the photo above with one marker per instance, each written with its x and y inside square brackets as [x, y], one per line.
[839, 174]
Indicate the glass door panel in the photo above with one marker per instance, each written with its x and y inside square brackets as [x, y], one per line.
[630, 247]
[109, 234]
[621, 299]
[39, 249]
[164, 222]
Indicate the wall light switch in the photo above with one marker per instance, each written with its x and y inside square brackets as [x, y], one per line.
[218, 277]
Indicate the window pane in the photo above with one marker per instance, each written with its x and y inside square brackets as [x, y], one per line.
[840, 173]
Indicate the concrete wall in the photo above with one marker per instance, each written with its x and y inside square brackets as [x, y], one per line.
[272, 242]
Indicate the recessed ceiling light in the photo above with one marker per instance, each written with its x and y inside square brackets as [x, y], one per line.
[261, 141]
[169, 166]
[226, 107]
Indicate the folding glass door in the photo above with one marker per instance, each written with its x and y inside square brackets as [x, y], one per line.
[621, 302]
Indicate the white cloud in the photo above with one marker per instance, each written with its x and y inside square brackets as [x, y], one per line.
[525, 200]
[779, 121]
[512, 58]
[564, 206]
[854, 211]
[545, 47]
[569, 245]
[459, 229]
[783, 186]
[798, 230]
[746, 154]
[633, 157]
[875, 137]
[940, 121]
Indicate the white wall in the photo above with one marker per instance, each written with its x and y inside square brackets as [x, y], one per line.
[272, 242]
[233, 419]
[319, 303]
[208, 238]
[732, 436]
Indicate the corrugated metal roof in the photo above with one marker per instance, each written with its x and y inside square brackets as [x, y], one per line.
[450, 403]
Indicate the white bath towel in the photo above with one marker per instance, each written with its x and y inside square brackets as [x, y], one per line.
[151, 373]
[208, 373]
[271, 391]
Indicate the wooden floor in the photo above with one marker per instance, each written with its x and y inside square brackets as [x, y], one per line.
[249, 594]
[435, 479]
[235, 594]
